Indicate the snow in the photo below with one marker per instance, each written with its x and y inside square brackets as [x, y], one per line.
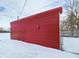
[71, 44]
[18, 49]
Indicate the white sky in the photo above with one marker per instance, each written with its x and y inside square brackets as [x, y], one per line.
[13, 8]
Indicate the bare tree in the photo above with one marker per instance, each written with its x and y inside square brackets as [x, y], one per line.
[72, 9]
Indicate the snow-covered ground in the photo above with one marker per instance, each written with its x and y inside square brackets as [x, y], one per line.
[71, 44]
[15, 48]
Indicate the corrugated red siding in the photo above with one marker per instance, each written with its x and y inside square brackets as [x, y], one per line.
[42, 28]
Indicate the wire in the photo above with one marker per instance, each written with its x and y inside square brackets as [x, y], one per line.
[40, 8]
[23, 7]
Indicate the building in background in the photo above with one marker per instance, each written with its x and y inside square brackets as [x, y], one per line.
[1, 29]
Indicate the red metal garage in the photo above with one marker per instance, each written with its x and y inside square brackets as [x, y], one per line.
[42, 28]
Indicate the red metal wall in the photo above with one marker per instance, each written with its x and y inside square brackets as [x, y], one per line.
[42, 28]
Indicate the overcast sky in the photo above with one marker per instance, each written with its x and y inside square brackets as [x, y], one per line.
[10, 9]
